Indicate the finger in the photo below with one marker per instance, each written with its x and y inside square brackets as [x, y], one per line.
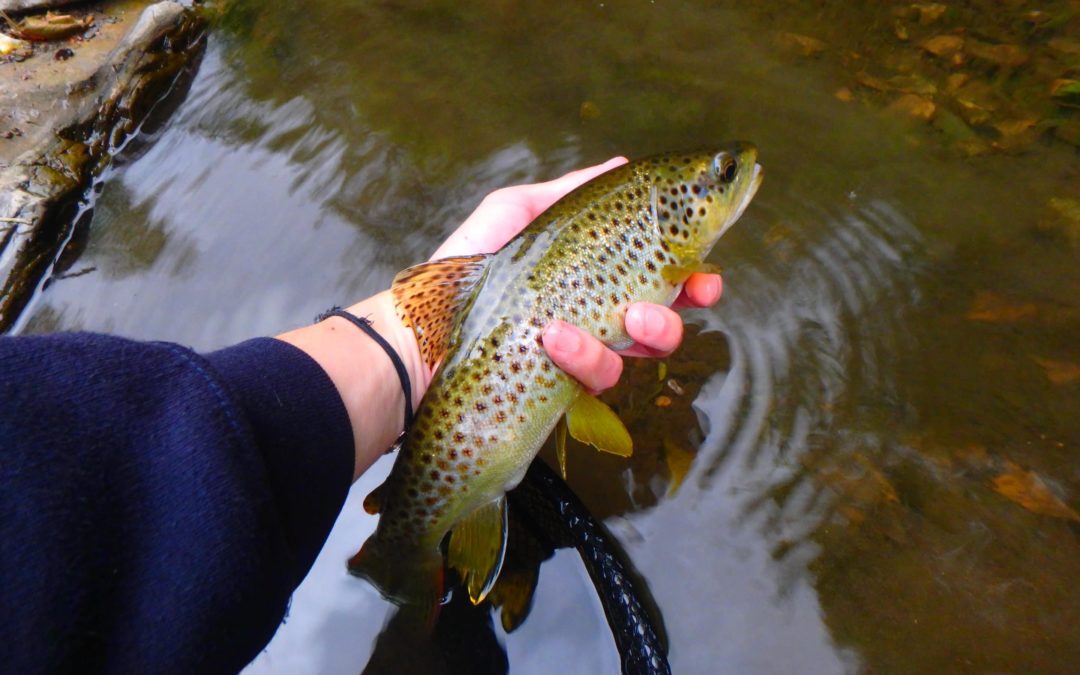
[582, 356]
[490, 226]
[656, 328]
[505, 212]
[542, 195]
[700, 290]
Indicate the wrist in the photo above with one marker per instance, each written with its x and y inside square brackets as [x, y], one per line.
[363, 373]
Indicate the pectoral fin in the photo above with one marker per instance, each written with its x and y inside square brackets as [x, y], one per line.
[477, 548]
[591, 421]
[677, 274]
[560, 445]
[429, 296]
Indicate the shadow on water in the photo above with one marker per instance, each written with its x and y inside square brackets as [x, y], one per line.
[869, 444]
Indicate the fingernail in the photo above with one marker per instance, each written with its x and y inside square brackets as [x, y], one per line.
[645, 321]
[563, 338]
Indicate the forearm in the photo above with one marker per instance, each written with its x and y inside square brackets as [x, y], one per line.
[363, 373]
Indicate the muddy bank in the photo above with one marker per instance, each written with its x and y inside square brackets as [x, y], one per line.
[67, 105]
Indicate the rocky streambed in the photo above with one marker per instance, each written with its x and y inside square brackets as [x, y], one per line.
[76, 81]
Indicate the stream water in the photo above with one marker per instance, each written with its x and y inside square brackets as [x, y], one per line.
[872, 464]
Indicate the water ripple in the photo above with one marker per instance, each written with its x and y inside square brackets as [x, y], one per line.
[829, 295]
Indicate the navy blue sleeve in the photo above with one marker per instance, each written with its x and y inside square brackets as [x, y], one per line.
[158, 507]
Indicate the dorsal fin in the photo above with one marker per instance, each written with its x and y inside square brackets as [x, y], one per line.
[428, 297]
[591, 421]
[477, 548]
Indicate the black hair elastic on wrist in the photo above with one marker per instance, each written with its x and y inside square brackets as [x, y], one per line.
[364, 324]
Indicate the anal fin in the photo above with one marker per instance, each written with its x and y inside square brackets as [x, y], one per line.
[429, 296]
[478, 546]
[591, 421]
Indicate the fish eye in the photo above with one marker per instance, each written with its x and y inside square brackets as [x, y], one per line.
[725, 167]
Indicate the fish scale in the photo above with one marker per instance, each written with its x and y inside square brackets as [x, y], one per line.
[633, 234]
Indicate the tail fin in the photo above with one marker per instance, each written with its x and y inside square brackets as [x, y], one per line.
[412, 578]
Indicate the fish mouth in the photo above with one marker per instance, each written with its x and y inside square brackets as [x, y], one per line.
[755, 183]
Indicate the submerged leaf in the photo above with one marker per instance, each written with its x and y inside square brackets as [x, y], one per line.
[992, 308]
[1029, 491]
[803, 45]
[678, 460]
[1060, 372]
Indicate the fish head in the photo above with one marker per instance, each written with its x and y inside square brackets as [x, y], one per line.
[697, 196]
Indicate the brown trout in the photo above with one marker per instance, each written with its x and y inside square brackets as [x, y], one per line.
[635, 233]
